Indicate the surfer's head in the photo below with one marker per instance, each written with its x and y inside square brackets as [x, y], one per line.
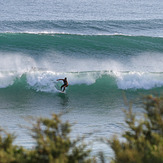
[65, 78]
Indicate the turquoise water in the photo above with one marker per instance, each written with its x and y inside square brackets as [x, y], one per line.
[105, 48]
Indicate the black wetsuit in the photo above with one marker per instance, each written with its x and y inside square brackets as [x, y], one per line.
[65, 84]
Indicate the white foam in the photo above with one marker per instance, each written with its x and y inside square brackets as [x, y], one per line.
[139, 80]
[7, 79]
[42, 81]
[56, 65]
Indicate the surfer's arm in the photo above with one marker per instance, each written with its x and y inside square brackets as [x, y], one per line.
[59, 79]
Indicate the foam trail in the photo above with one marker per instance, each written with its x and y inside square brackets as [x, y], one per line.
[42, 81]
[46, 80]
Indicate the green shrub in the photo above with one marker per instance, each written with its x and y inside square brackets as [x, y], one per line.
[8, 151]
[144, 139]
[53, 145]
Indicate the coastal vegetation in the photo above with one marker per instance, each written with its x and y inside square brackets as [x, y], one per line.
[143, 141]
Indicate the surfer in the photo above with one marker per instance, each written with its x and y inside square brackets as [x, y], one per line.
[65, 84]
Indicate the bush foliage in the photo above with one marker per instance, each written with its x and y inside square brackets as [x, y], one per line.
[53, 145]
[143, 140]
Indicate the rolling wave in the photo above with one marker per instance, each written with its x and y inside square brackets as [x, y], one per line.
[45, 81]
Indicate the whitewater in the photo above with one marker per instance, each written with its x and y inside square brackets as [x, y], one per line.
[108, 50]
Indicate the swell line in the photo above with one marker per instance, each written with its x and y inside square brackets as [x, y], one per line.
[92, 27]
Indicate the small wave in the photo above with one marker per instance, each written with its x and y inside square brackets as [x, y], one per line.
[92, 27]
[53, 33]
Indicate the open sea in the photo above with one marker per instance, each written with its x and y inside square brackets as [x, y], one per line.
[107, 49]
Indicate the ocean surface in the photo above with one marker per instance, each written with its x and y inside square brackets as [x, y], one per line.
[108, 50]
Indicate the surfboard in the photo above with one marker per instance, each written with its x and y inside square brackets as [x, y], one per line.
[62, 92]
